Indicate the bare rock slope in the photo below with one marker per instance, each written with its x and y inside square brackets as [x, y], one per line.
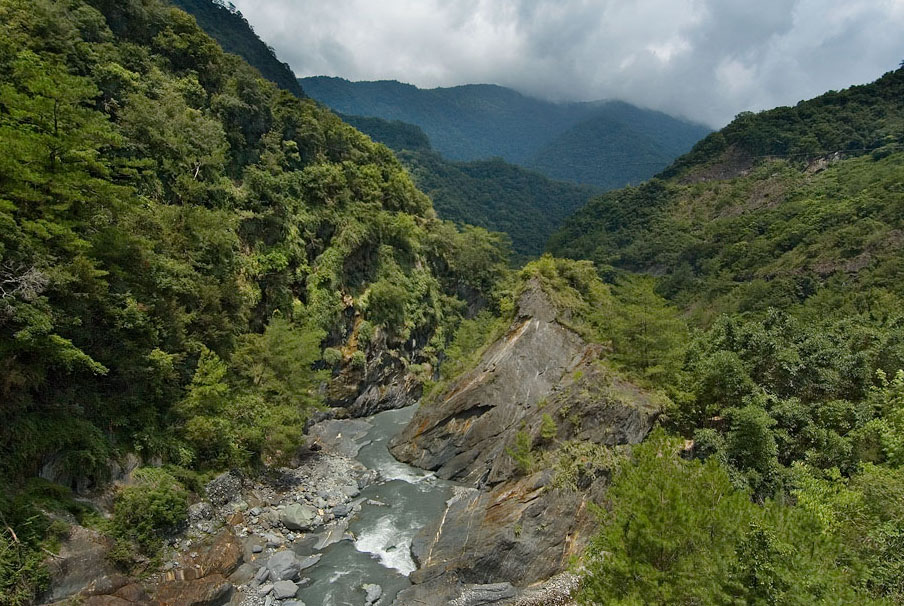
[511, 525]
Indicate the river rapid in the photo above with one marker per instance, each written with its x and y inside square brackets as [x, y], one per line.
[394, 509]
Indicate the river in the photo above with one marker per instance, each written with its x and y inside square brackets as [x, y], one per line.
[395, 508]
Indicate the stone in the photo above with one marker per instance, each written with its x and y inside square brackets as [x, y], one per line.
[262, 575]
[224, 488]
[350, 490]
[308, 561]
[480, 595]
[82, 567]
[257, 548]
[283, 565]
[539, 367]
[298, 517]
[200, 511]
[213, 590]
[222, 557]
[265, 589]
[374, 592]
[284, 589]
[243, 574]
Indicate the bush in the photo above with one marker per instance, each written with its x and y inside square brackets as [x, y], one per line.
[359, 359]
[332, 356]
[521, 452]
[548, 428]
[146, 512]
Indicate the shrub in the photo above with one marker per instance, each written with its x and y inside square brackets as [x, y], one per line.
[521, 452]
[548, 428]
[332, 356]
[146, 512]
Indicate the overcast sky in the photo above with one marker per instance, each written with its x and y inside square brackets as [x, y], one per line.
[702, 59]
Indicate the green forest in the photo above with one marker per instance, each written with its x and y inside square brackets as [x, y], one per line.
[194, 260]
[606, 144]
[774, 248]
[180, 240]
[494, 194]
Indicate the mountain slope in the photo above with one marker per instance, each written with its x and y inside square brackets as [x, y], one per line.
[777, 199]
[234, 34]
[489, 193]
[481, 121]
[779, 240]
[180, 241]
[619, 145]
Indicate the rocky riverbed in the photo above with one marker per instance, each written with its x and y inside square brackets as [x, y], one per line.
[349, 524]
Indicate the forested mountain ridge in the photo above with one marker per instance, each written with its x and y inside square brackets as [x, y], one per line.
[808, 193]
[225, 24]
[492, 194]
[775, 243]
[606, 143]
[180, 240]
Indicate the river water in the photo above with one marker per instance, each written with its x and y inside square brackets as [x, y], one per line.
[404, 500]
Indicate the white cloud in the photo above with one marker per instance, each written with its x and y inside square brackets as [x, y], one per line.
[704, 59]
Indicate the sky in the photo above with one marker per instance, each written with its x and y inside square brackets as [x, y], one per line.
[705, 60]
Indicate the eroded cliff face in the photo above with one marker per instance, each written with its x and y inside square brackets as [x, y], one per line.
[508, 524]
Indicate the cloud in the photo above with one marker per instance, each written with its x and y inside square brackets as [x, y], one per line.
[703, 59]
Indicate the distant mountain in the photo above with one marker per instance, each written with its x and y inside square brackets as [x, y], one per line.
[778, 208]
[493, 194]
[606, 143]
[226, 25]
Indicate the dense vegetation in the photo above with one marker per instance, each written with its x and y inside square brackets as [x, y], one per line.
[783, 258]
[180, 239]
[225, 24]
[492, 194]
[606, 144]
[498, 196]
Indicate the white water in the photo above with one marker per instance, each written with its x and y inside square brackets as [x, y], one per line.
[395, 508]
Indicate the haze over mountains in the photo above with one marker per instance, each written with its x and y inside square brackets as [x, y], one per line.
[605, 143]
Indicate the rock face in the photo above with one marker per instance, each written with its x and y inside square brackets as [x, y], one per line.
[543, 381]
[462, 437]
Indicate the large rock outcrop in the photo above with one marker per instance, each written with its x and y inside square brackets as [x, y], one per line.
[511, 524]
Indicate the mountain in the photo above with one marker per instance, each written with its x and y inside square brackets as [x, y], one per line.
[188, 255]
[225, 24]
[774, 201]
[778, 242]
[607, 143]
[493, 194]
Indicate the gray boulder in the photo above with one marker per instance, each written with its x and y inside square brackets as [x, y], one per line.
[298, 517]
[374, 592]
[283, 566]
[284, 589]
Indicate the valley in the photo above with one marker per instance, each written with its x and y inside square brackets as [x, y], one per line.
[254, 352]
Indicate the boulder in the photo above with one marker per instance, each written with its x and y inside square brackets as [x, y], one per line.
[298, 517]
[285, 565]
[82, 567]
[284, 589]
[224, 488]
[213, 590]
[373, 593]
[222, 557]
